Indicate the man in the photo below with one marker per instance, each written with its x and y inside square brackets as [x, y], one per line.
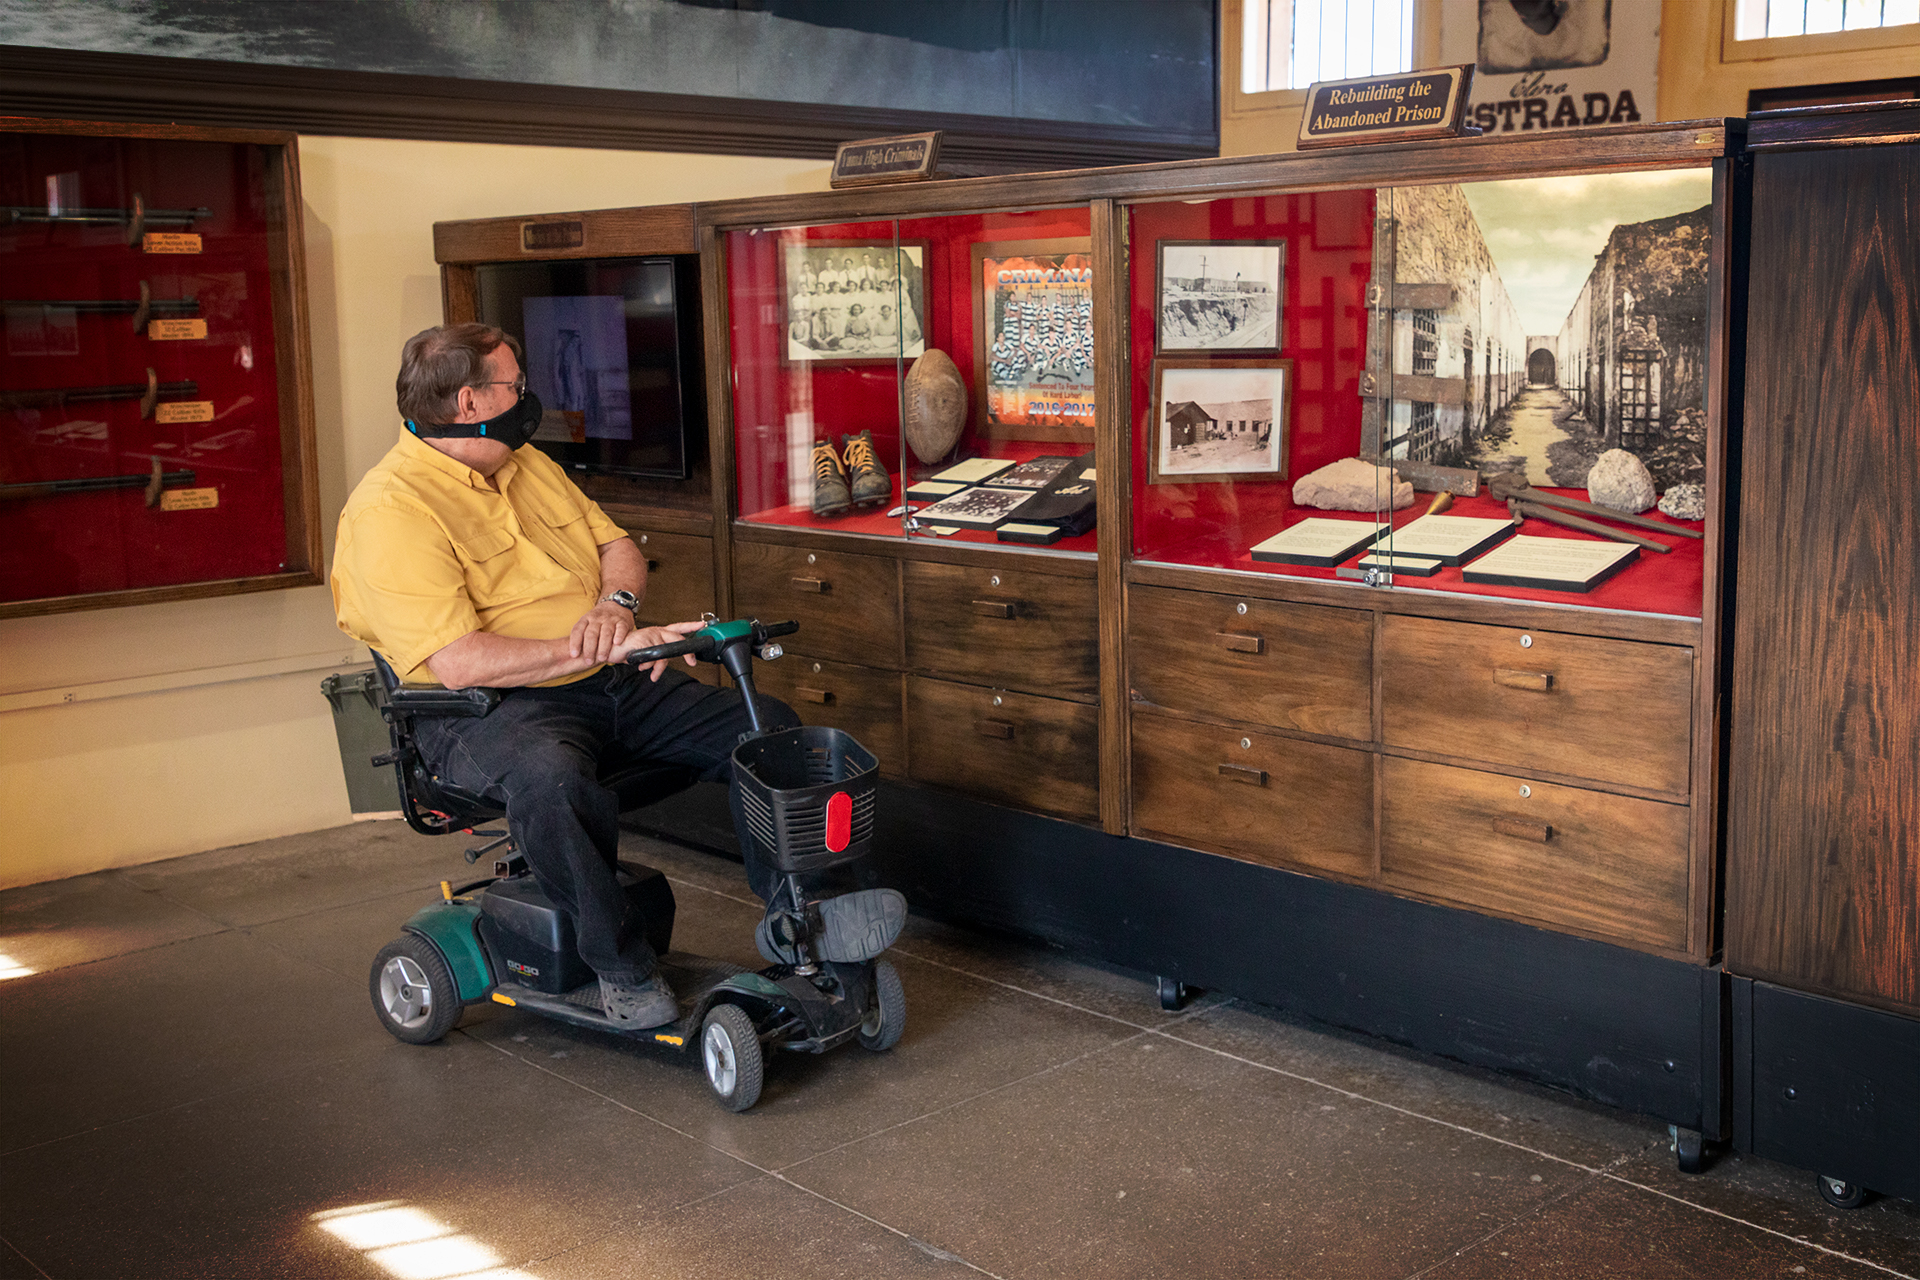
[468, 560]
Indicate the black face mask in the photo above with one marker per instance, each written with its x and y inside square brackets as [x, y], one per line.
[513, 428]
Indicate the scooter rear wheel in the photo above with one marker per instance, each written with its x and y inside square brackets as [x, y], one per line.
[887, 1020]
[730, 1052]
[413, 990]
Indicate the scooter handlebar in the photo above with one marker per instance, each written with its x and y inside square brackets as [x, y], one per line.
[706, 643]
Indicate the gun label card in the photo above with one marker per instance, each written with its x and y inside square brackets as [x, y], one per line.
[170, 242]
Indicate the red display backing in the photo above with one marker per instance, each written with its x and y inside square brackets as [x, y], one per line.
[81, 543]
[826, 400]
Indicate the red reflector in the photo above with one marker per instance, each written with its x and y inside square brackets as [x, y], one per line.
[839, 821]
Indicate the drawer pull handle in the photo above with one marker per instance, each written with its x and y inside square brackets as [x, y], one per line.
[816, 585]
[821, 696]
[1241, 773]
[993, 729]
[1532, 681]
[1241, 642]
[653, 566]
[1520, 829]
[994, 608]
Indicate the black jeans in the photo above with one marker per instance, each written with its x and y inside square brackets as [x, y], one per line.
[540, 753]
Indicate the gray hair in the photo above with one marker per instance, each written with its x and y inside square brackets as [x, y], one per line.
[437, 362]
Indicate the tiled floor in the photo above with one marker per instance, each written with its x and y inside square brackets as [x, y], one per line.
[197, 1086]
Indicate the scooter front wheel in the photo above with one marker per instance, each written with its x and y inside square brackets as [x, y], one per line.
[887, 1020]
[413, 990]
[730, 1051]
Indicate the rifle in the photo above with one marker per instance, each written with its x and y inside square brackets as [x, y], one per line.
[136, 220]
[148, 393]
[153, 482]
[142, 310]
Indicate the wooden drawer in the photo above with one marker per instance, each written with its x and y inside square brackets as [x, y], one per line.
[1278, 801]
[679, 576]
[1008, 628]
[848, 606]
[1615, 711]
[1010, 748]
[1603, 864]
[864, 701]
[1302, 666]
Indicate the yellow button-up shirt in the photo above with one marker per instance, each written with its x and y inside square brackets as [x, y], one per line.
[428, 552]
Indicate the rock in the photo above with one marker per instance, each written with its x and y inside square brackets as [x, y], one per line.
[1620, 480]
[936, 405]
[1685, 502]
[1351, 484]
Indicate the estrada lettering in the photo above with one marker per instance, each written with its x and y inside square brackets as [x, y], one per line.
[1528, 104]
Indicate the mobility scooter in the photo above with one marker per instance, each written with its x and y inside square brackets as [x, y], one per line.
[808, 799]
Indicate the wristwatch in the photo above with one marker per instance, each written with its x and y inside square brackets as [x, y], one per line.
[626, 600]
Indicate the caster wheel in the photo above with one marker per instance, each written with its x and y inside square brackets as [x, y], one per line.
[1841, 1195]
[413, 990]
[882, 1028]
[1689, 1150]
[1173, 994]
[730, 1051]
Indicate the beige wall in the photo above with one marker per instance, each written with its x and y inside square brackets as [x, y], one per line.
[1697, 81]
[128, 735]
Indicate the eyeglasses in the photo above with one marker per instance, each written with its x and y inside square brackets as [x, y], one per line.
[519, 384]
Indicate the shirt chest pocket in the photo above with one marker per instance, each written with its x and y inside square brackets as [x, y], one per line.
[500, 569]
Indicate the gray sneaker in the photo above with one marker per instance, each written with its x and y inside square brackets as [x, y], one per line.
[638, 1005]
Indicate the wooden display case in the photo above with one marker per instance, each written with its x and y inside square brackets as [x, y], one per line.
[1350, 300]
[155, 385]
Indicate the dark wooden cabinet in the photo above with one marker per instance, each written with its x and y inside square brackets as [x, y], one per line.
[1823, 841]
[1013, 748]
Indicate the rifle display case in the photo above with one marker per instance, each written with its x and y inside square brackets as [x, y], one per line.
[155, 392]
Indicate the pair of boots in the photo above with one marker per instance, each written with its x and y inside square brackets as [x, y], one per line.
[858, 482]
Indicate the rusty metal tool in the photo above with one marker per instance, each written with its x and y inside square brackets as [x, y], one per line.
[1512, 485]
[1525, 510]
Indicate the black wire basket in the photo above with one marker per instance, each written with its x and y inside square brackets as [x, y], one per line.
[790, 782]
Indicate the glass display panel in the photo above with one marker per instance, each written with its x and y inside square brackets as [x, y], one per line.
[148, 441]
[606, 343]
[1528, 355]
[1248, 332]
[952, 353]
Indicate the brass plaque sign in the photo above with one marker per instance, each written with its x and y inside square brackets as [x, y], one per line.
[909, 158]
[1396, 108]
[173, 411]
[175, 330]
[170, 242]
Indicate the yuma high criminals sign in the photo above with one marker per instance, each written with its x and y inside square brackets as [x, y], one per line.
[1399, 108]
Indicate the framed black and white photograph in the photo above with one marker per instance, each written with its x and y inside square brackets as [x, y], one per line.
[850, 300]
[1219, 421]
[1220, 295]
[980, 507]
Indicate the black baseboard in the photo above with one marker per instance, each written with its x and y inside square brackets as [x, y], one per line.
[1629, 1030]
[1829, 1086]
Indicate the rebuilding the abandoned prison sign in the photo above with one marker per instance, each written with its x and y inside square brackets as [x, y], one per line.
[1397, 108]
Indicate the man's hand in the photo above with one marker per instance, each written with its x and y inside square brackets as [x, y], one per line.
[600, 631]
[647, 637]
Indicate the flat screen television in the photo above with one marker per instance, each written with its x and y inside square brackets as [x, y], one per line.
[611, 350]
